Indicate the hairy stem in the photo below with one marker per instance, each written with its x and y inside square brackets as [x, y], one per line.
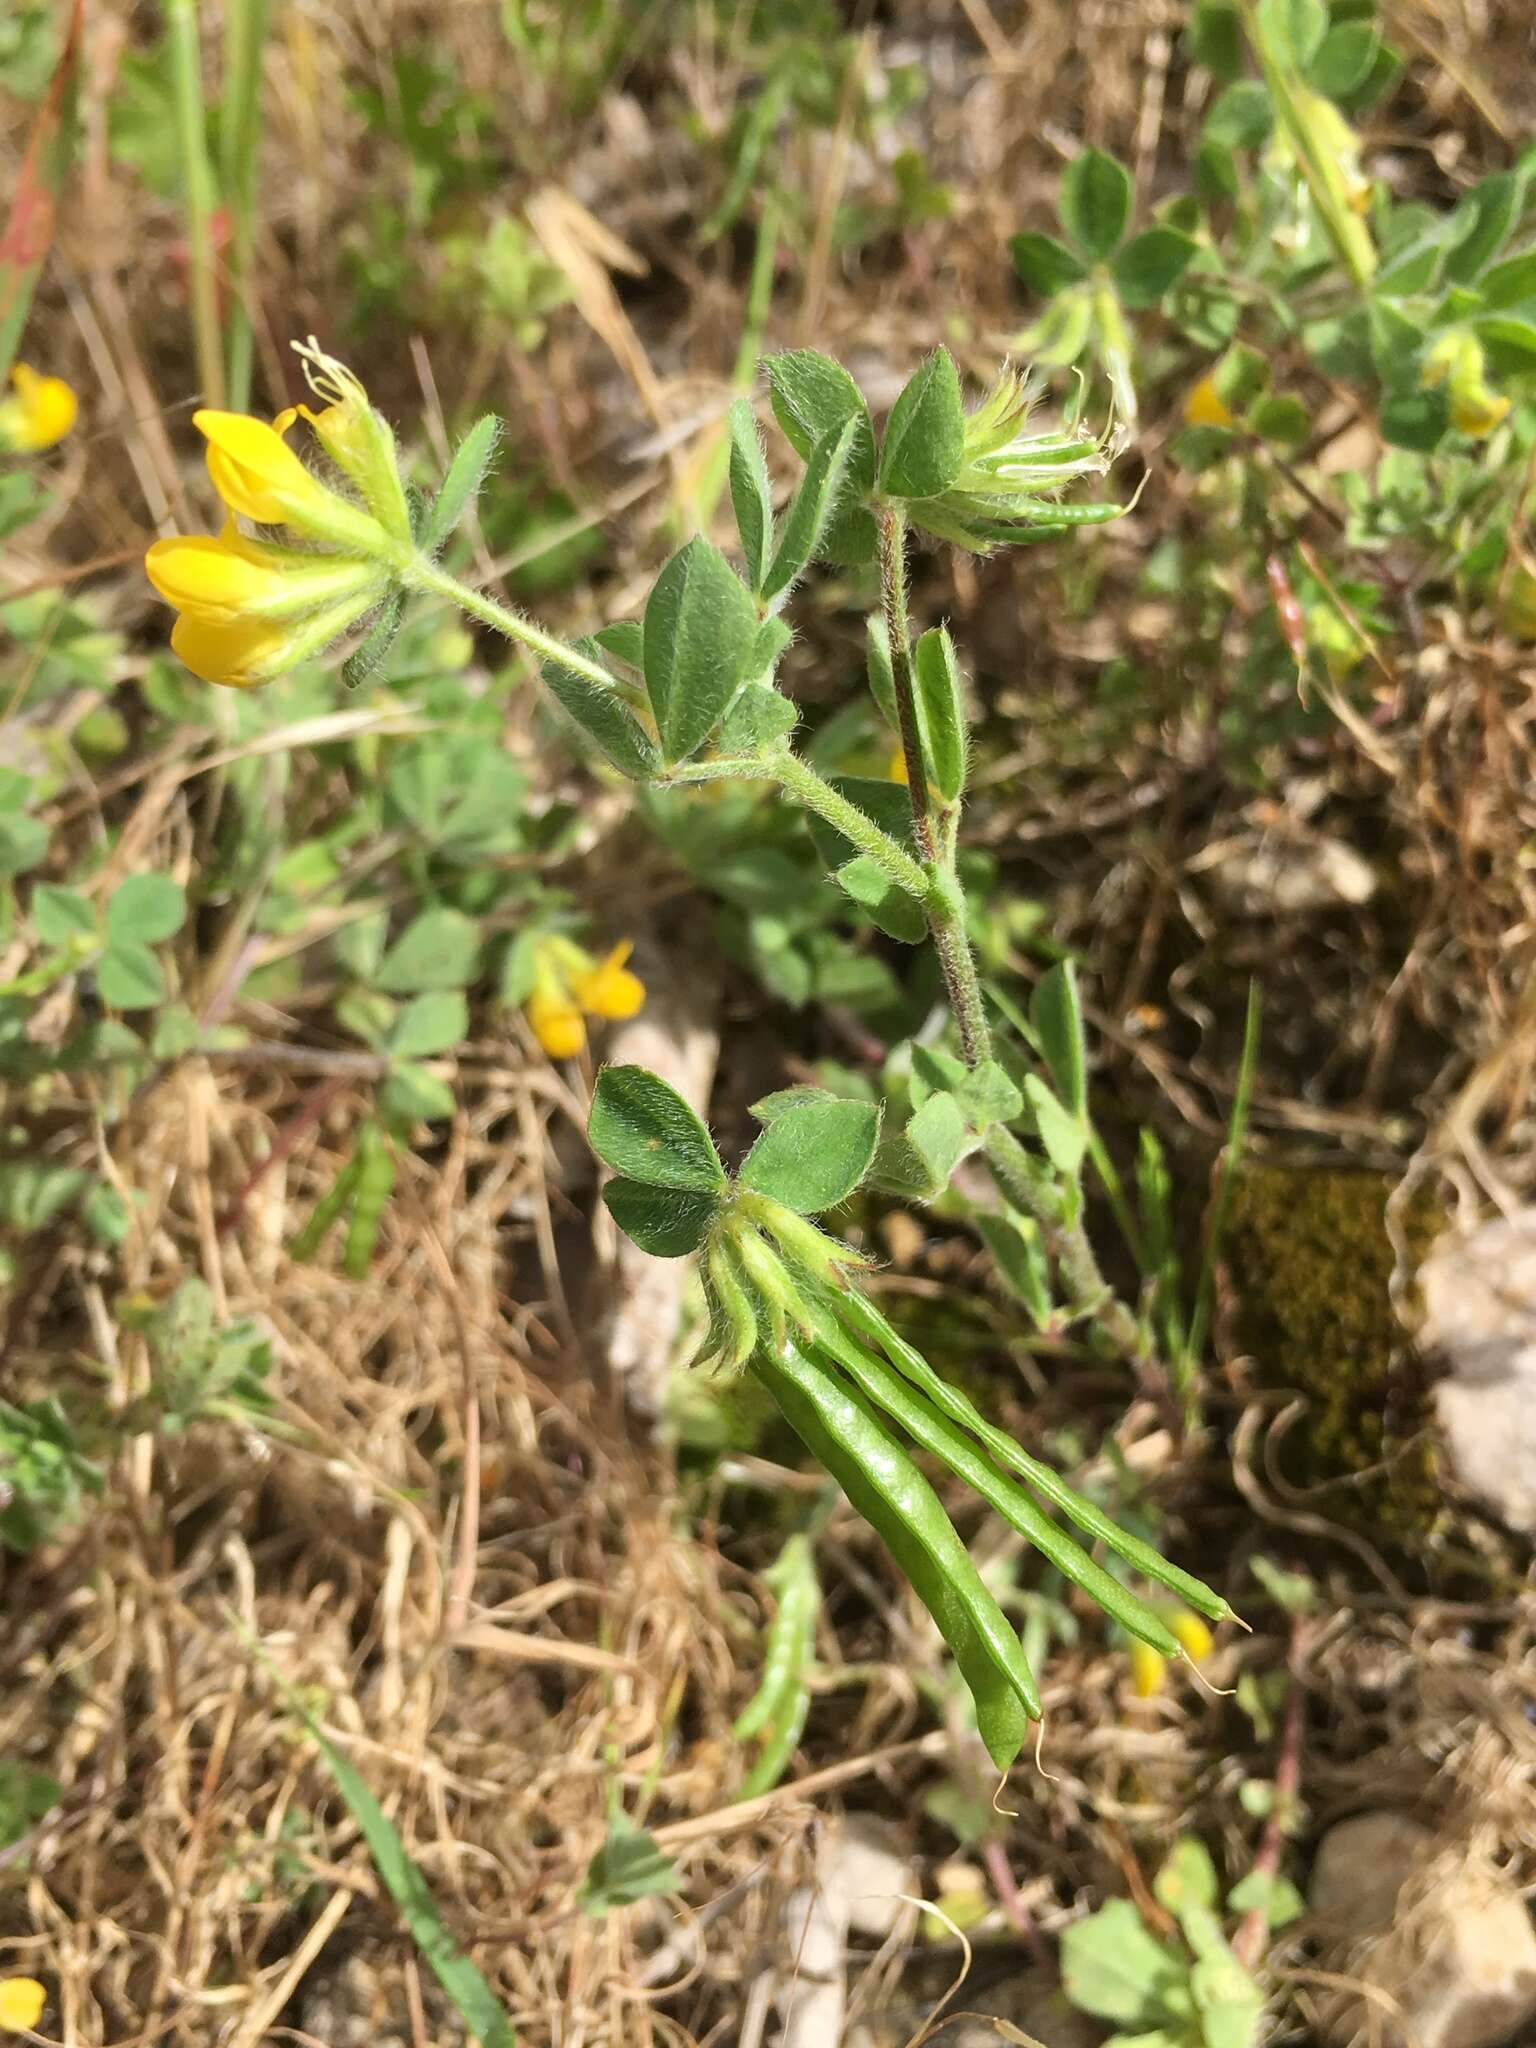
[964, 988]
[893, 588]
[420, 574]
[808, 788]
[1037, 1194]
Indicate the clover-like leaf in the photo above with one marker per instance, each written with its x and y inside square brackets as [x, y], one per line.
[644, 1130]
[814, 1155]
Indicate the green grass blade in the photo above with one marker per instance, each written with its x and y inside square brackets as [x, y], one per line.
[198, 188]
[1237, 1132]
[473, 1999]
[245, 31]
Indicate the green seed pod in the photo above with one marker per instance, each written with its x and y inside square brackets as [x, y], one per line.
[732, 1317]
[839, 1428]
[862, 1315]
[897, 1398]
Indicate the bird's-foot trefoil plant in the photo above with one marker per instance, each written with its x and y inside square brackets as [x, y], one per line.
[689, 693]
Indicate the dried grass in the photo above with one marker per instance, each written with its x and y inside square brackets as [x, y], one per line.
[201, 1881]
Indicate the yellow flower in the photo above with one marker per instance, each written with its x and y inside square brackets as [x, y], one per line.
[1457, 361]
[21, 2003]
[568, 981]
[610, 989]
[557, 1023]
[39, 411]
[227, 577]
[1477, 412]
[252, 609]
[1195, 1639]
[1147, 1668]
[246, 651]
[1205, 407]
[896, 767]
[258, 475]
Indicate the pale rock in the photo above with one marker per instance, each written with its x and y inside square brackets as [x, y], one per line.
[1287, 876]
[1359, 1870]
[1443, 1940]
[1479, 1294]
[869, 1864]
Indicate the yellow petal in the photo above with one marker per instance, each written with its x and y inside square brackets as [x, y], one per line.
[610, 989]
[1205, 406]
[1147, 1669]
[197, 572]
[1477, 412]
[240, 652]
[228, 577]
[557, 1023]
[21, 2003]
[254, 470]
[1195, 1639]
[41, 412]
[896, 767]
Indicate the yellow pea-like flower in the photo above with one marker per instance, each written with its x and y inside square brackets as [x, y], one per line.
[243, 652]
[38, 412]
[260, 477]
[1147, 1671]
[568, 981]
[226, 577]
[1205, 407]
[21, 2003]
[1477, 412]
[252, 608]
[1195, 1639]
[557, 1023]
[610, 989]
[1149, 1668]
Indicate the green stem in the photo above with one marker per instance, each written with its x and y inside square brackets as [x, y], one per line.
[964, 987]
[1038, 1195]
[420, 574]
[808, 788]
[245, 29]
[893, 590]
[197, 179]
[946, 913]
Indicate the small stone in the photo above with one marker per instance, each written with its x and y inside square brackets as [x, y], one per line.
[1449, 1941]
[1359, 1870]
[872, 1870]
[1479, 1294]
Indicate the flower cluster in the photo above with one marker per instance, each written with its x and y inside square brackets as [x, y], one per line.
[253, 607]
[36, 413]
[570, 985]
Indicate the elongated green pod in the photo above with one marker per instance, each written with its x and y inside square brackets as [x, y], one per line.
[778, 1749]
[790, 1640]
[860, 1311]
[896, 1397]
[841, 1430]
[375, 1184]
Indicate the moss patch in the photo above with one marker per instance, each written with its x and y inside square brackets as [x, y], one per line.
[1310, 1264]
